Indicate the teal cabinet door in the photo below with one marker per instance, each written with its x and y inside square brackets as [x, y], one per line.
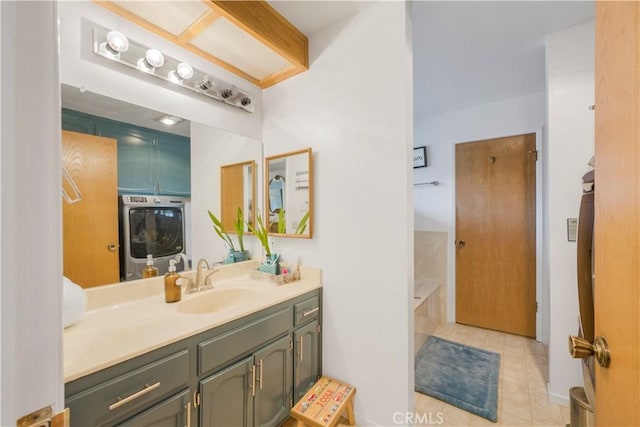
[77, 122]
[136, 157]
[174, 165]
[226, 398]
[306, 369]
[273, 383]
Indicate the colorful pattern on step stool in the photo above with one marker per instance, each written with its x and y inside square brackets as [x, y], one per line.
[324, 402]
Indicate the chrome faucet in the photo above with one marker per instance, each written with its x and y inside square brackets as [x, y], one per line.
[185, 261]
[202, 281]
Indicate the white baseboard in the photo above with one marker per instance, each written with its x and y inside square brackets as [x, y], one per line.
[560, 399]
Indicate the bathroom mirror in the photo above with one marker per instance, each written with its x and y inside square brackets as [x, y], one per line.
[211, 149]
[288, 207]
[237, 190]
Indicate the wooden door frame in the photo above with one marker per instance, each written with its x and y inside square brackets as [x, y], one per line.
[542, 286]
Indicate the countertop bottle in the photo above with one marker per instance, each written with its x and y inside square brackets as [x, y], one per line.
[172, 291]
[150, 270]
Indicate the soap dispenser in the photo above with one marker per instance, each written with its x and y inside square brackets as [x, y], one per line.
[150, 270]
[172, 291]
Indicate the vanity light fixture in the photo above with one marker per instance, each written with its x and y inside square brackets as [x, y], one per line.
[115, 43]
[117, 48]
[153, 59]
[182, 72]
[170, 120]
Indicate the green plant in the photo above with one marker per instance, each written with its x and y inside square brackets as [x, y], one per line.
[261, 233]
[239, 226]
[282, 225]
[220, 231]
[302, 225]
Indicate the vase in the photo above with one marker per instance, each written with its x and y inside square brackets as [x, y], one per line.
[240, 256]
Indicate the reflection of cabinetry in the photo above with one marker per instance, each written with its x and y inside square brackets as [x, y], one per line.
[149, 161]
[238, 374]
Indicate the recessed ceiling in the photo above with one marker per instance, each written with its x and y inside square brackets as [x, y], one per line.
[110, 108]
[248, 38]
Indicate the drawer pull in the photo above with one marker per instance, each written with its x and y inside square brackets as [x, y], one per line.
[147, 389]
[188, 410]
[310, 312]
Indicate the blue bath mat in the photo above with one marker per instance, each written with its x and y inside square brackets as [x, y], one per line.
[466, 377]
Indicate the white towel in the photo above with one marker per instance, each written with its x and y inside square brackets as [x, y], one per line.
[74, 302]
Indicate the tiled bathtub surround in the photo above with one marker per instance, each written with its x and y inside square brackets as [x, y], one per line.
[426, 308]
[430, 262]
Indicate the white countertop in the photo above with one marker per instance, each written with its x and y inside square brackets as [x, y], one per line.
[129, 319]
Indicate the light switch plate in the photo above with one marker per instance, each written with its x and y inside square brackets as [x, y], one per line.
[572, 229]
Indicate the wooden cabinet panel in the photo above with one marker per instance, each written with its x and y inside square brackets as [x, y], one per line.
[226, 398]
[306, 366]
[273, 386]
[172, 412]
[173, 165]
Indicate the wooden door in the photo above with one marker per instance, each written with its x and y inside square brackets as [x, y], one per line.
[495, 234]
[617, 211]
[90, 225]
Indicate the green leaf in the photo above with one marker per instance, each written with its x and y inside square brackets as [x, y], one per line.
[220, 231]
[282, 225]
[302, 225]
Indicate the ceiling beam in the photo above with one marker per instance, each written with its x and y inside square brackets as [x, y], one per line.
[264, 23]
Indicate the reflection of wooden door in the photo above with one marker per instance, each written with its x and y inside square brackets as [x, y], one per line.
[617, 211]
[231, 195]
[495, 232]
[90, 226]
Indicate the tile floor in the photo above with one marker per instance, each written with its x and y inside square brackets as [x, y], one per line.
[522, 392]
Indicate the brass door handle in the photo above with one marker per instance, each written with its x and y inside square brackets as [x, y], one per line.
[112, 247]
[460, 244]
[581, 349]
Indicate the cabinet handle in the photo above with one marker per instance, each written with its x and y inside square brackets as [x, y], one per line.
[188, 409]
[253, 381]
[310, 312]
[260, 379]
[301, 346]
[147, 388]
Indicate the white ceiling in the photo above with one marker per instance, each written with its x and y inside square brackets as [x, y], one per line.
[465, 53]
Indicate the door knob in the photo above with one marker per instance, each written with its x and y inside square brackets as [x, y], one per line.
[461, 244]
[581, 349]
[112, 247]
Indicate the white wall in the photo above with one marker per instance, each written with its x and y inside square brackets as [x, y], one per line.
[79, 67]
[210, 149]
[434, 207]
[31, 213]
[570, 83]
[361, 135]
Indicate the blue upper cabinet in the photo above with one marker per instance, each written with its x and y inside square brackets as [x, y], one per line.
[174, 159]
[149, 161]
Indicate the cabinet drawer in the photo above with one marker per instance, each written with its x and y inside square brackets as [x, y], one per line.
[216, 352]
[306, 310]
[132, 391]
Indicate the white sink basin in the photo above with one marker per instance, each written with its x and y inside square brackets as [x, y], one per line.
[216, 300]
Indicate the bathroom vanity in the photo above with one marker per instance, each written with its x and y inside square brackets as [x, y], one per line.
[243, 360]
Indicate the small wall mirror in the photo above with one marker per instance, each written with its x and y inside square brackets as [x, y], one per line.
[289, 194]
[237, 190]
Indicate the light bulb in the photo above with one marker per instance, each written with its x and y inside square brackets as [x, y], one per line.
[117, 41]
[153, 59]
[115, 44]
[182, 72]
[204, 84]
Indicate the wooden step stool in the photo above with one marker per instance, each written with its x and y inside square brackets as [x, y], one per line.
[324, 403]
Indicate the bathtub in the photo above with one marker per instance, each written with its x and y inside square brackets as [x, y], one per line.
[426, 310]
